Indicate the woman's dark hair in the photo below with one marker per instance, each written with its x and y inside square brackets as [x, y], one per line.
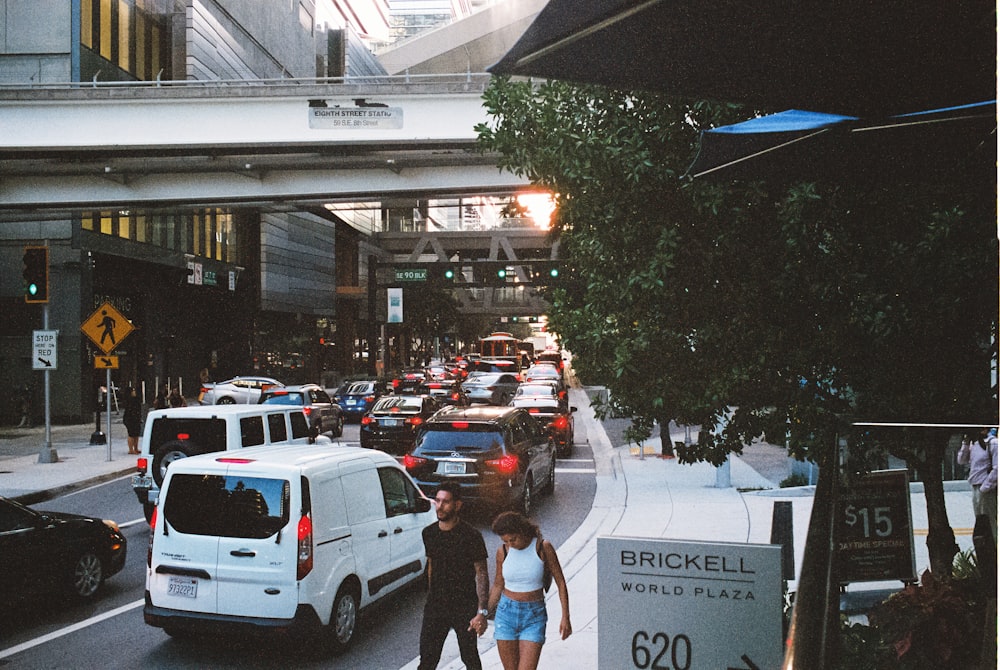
[514, 523]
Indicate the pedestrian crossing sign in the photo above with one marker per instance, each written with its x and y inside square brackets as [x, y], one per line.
[107, 327]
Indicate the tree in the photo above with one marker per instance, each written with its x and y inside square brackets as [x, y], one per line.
[787, 309]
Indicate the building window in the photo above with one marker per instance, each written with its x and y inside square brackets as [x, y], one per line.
[125, 34]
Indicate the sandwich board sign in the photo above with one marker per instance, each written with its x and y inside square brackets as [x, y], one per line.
[679, 605]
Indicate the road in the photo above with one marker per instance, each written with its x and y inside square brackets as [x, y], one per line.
[110, 632]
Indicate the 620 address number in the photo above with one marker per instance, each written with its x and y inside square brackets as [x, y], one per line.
[656, 651]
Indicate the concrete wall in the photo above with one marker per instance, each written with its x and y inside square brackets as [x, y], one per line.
[33, 50]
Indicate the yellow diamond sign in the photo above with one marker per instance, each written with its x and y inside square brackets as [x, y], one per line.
[107, 327]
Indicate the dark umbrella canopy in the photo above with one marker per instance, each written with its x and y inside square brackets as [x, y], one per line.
[798, 144]
[854, 57]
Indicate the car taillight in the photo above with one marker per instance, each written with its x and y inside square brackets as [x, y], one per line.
[367, 420]
[532, 410]
[369, 398]
[183, 436]
[505, 465]
[305, 557]
[560, 423]
[152, 532]
[395, 383]
[491, 388]
[307, 410]
[460, 425]
[411, 462]
[455, 396]
[141, 464]
[415, 420]
[204, 389]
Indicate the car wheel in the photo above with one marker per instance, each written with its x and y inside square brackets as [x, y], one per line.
[343, 620]
[86, 576]
[339, 430]
[526, 497]
[550, 482]
[226, 401]
[166, 455]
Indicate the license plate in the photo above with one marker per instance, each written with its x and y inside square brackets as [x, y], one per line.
[350, 401]
[390, 422]
[186, 587]
[142, 482]
[449, 468]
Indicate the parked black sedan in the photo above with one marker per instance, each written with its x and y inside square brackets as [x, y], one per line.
[325, 416]
[55, 553]
[391, 425]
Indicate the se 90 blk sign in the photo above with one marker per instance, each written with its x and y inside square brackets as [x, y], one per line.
[674, 605]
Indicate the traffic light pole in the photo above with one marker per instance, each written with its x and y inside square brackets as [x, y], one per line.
[47, 454]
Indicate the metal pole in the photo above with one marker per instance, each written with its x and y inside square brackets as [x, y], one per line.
[107, 409]
[47, 453]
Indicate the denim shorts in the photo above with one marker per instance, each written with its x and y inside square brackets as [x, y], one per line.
[515, 620]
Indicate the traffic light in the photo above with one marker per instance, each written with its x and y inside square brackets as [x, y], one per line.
[36, 274]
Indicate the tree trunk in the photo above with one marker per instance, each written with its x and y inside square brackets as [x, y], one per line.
[941, 546]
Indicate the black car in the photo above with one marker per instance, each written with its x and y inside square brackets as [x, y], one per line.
[554, 417]
[323, 413]
[391, 425]
[55, 553]
[447, 391]
[409, 380]
[499, 455]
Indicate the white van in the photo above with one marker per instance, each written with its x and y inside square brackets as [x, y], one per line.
[291, 538]
[179, 432]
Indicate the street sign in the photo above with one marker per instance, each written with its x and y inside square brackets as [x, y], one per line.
[44, 350]
[875, 529]
[105, 362]
[106, 327]
[411, 274]
[674, 605]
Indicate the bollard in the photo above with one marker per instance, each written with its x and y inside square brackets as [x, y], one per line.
[782, 533]
[97, 437]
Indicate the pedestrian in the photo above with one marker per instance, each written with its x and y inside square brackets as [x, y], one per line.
[526, 564]
[458, 582]
[981, 456]
[176, 399]
[132, 418]
[25, 407]
[162, 398]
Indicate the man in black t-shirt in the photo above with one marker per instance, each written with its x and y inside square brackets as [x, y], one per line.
[458, 583]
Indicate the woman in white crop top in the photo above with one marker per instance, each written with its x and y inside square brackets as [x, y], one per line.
[524, 560]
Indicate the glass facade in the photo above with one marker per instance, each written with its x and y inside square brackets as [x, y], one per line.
[126, 35]
[206, 233]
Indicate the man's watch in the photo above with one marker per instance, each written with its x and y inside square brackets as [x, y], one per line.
[485, 613]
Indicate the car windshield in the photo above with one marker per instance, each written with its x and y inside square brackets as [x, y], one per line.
[284, 398]
[359, 389]
[535, 390]
[397, 403]
[227, 506]
[470, 439]
[485, 379]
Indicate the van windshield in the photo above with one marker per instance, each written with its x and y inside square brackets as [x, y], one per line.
[227, 505]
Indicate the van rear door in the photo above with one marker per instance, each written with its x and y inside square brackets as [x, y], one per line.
[238, 527]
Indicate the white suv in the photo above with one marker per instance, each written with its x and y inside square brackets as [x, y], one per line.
[297, 539]
[179, 432]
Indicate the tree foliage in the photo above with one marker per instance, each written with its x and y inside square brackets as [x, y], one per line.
[784, 309]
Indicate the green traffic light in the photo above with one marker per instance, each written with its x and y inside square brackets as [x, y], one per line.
[449, 274]
[554, 272]
[502, 273]
[33, 289]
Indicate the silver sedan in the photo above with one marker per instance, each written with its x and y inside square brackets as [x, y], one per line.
[494, 388]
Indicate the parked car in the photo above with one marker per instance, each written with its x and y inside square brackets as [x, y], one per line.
[296, 539]
[47, 553]
[357, 398]
[409, 380]
[553, 415]
[500, 456]
[325, 416]
[235, 391]
[172, 434]
[391, 425]
[495, 388]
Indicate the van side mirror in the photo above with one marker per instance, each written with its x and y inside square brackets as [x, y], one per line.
[422, 505]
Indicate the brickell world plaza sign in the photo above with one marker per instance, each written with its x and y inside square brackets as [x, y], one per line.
[673, 605]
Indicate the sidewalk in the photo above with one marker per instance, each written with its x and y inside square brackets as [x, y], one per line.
[648, 497]
[653, 497]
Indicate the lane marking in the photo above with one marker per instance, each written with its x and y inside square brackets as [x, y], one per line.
[581, 471]
[924, 531]
[70, 629]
